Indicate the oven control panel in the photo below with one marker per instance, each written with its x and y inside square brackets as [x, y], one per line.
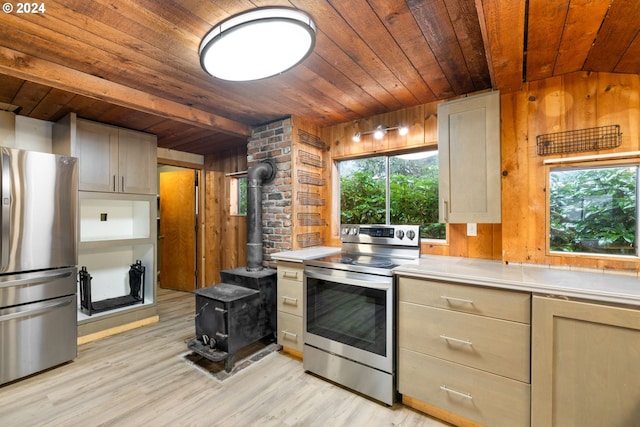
[406, 235]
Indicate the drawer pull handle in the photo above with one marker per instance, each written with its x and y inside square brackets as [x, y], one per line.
[458, 340]
[291, 334]
[289, 300]
[457, 393]
[293, 274]
[221, 310]
[466, 301]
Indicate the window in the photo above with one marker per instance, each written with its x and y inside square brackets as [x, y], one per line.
[238, 195]
[400, 189]
[594, 210]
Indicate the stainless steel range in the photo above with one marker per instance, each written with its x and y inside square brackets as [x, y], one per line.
[349, 314]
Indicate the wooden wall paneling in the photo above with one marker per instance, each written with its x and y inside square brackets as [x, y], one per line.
[546, 114]
[225, 234]
[458, 242]
[496, 244]
[412, 118]
[430, 124]
[516, 156]
[618, 103]
[572, 102]
[213, 214]
[367, 143]
[483, 245]
[423, 132]
[580, 92]
[335, 137]
[310, 217]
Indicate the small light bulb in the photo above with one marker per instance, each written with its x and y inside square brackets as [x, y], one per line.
[379, 133]
[356, 137]
[403, 130]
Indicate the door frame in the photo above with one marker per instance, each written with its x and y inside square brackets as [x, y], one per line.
[199, 168]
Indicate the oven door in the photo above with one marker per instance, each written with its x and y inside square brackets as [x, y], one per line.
[350, 314]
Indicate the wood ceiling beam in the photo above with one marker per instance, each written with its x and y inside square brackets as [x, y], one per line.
[27, 67]
[503, 28]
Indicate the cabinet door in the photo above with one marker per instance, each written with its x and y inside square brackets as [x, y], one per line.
[585, 364]
[469, 159]
[97, 151]
[137, 162]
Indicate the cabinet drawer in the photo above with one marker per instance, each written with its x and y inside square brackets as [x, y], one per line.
[493, 345]
[498, 303]
[290, 271]
[488, 399]
[290, 297]
[290, 330]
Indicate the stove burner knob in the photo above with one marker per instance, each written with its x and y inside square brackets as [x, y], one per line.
[411, 234]
[354, 231]
[345, 231]
[400, 234]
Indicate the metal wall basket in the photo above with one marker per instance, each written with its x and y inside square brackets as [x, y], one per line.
[575, 141]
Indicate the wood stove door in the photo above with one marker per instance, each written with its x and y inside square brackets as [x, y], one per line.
[212, 322]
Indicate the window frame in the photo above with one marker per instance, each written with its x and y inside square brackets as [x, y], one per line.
[234, 193]
[387, 155]
[582, 165]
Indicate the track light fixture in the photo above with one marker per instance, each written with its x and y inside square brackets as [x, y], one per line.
[380, 131]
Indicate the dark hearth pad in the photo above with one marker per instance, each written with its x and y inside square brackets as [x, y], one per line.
[244, 358]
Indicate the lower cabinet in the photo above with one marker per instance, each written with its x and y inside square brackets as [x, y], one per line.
[585, 364]
[477, 395]
[290, 305]
[464, 351]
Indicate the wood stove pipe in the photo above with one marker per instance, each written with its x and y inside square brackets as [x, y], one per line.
[262, 173]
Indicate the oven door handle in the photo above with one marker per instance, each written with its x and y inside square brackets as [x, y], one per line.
[348, 280]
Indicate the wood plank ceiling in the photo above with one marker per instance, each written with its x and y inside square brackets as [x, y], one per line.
[135, 64]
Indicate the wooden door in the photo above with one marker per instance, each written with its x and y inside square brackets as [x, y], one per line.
[178, 231]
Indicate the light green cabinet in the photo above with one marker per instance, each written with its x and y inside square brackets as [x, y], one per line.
[290, 305]
[464, 351]
[585, 364]
[111, 159]
[469, 159]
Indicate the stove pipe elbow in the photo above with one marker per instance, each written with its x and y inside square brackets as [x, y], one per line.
[262, 173]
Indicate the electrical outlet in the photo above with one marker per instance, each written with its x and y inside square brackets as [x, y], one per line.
[472, 230]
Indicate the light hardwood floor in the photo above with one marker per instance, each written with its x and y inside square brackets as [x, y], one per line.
[139, 378]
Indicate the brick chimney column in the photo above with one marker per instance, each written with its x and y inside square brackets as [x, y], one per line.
[274, 140]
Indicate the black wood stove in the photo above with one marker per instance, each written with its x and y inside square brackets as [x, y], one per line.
[242, 309]
[234, 314]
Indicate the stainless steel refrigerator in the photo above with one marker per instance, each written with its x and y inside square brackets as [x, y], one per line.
[38, 257]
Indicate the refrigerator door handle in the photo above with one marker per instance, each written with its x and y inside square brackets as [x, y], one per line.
[5, 211]
[42, 308]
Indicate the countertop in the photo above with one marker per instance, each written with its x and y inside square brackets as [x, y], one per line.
[597, 285]
[301, 255]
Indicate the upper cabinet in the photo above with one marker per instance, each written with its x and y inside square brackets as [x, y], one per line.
[112, 159]
[469, 159]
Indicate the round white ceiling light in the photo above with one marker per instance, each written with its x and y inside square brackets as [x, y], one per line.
[257, 44]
